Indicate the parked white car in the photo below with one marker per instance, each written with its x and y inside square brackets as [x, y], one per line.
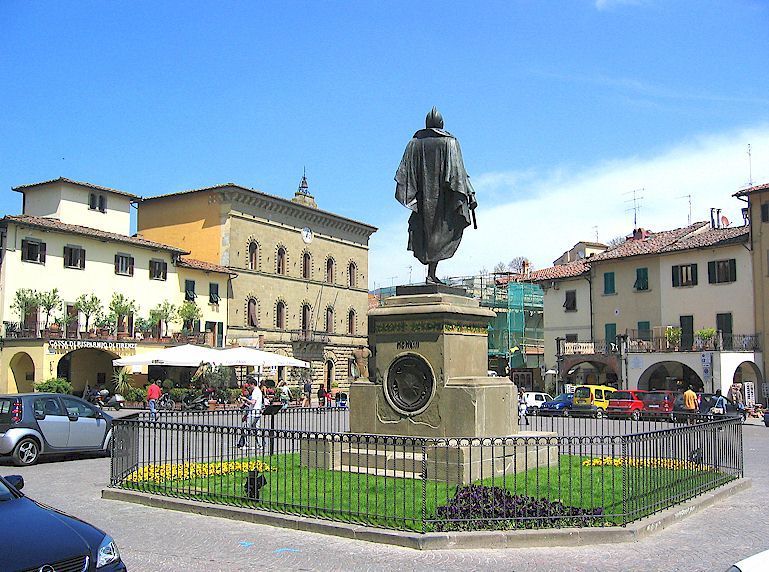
[756, 563]
[534, 400]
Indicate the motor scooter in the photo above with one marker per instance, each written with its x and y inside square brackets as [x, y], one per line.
[199, 403]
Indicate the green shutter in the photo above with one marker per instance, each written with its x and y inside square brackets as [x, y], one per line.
[712, 272]
[732, 270]
[676, 276]
[610, 332]
[644, 330]
[694, 274]
[608, 282]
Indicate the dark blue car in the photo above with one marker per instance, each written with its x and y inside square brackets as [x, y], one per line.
[558, 406]
[37, 537]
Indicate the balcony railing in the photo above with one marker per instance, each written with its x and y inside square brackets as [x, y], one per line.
[651, 341]
[588, 348]
[309, 336]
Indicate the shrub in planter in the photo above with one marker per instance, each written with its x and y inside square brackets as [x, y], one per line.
[167, 385]
[135, 395]
[480, 507]
[54, 385]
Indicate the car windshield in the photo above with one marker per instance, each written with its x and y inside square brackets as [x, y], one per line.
[564, 397]
[622, 395]
[654, 397]
[582, 392]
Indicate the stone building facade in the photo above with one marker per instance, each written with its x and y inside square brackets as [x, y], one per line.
[302, 272]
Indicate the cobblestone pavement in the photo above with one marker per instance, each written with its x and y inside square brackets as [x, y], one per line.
[155, 539]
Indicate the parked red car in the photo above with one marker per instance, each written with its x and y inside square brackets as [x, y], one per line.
[658, 404]
[626, 403]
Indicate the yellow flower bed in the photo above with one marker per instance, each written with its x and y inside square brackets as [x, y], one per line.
[167, 472]
[654, 463]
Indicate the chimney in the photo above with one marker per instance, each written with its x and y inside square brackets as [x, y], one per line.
[745, 216]
[525, 268]
[712, 220]
[718, 218]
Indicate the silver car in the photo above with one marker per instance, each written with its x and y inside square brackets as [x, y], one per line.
[34, 424]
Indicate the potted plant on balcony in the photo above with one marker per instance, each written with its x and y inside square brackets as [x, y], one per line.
[25, 304]
[88, 305]
[103, 325]
[120, 307]
[162, 314]
[706, 337]
[189, 313]
[673, 337]
[49, 301]
[62, 323]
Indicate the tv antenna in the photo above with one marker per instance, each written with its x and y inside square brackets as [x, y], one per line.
[636, 200]
[595, 229]
[690, 206]
[750, 167]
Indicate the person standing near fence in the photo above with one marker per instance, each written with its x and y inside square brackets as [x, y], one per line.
[690, 404]
[307, 394]
[153, 394]
[252, 419]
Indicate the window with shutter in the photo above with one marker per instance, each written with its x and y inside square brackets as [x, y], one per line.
[608, 283]
[570, 303]
[92, 201]
[644, 331]
[765, 212]
[102, 203]
[722, 271]
[685, 275]
[213, 293]
[641, 279]
[33, 251]
[158, 270]
[124, 265]
[189, 290]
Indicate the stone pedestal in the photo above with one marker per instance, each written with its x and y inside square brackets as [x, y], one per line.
[428, 371]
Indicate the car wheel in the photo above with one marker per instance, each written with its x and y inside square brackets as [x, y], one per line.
[636, 415]
[599, 414]
[26, 452]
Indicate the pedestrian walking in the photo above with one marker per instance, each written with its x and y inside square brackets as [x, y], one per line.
[321, 396]
[307, 394]
[153, 394]
[690, 405]
[522, 409]
[252, 419]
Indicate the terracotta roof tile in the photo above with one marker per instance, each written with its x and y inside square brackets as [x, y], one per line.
[54, 224]
[711, 237]
[203, 265]
[753, 189]
[653, 244]
[560, 271]
[22, 188]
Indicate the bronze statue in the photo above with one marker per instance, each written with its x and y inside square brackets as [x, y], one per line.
[361, 355]
[432, 182]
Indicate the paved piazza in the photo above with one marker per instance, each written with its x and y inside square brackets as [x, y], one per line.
[155, 539]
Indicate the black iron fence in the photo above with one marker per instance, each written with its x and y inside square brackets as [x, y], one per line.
[568, 475]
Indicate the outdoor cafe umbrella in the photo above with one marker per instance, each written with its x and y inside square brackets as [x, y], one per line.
[244, 356]
[186, 355]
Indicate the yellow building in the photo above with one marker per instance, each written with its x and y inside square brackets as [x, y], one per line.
[74, 237]
[302, 272]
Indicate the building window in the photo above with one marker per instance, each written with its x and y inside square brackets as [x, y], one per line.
[330, 320]
[722, 271]
[351, 322]
[158, 270]
[213, 293]
[92, 201]
[189, 290]
[102, 204]
[641, 279]
[306, 318]
[684, 275]
[33, 251]
[330, 270]
[352, 272]
[644, 331]
[610, 334]
[608, 283]
[253, 256]
[124, 264]
[253, 317]
[571, 338]
[74, 257]
[280, 261]
[570, 304]
[306, 265]
[280, 315]
[765, 212]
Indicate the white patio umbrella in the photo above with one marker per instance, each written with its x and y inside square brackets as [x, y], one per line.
[256, 358]
[186, 355]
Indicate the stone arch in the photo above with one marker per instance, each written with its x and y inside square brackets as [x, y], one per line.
[86, 366]
[251, 316]
[670, 375]
[591, 370]
[281, 259]
[21, 373]
[744, 373]
[253, 254]
[329, 373]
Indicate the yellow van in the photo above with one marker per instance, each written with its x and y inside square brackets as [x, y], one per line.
[591, 400]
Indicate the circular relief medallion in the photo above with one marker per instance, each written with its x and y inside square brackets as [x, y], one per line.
[307, 235]
[410, 384]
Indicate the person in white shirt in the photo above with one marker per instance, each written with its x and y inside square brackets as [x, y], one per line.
[255, 404]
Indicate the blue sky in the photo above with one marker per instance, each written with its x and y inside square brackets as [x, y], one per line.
[561, 107]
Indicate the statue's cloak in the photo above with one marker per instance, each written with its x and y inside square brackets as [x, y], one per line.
[432, 182]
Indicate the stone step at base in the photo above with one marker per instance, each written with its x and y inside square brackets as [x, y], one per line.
[381, 472]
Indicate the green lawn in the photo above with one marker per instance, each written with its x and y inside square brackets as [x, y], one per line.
[397, 502]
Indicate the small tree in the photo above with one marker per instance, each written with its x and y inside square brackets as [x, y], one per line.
[49, 301]
[88, 305]
[121, 307]
[164, 313]
[65, 319]
[121, 379]
[23, 301]
[189, 312]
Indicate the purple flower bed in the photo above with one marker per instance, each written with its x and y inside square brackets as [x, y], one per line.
[480, 507]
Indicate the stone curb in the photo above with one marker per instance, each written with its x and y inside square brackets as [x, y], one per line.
[444, 540]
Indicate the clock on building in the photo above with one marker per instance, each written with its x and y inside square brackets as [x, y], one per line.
[307, 235]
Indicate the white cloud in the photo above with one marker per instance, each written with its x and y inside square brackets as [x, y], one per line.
[542, 215]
